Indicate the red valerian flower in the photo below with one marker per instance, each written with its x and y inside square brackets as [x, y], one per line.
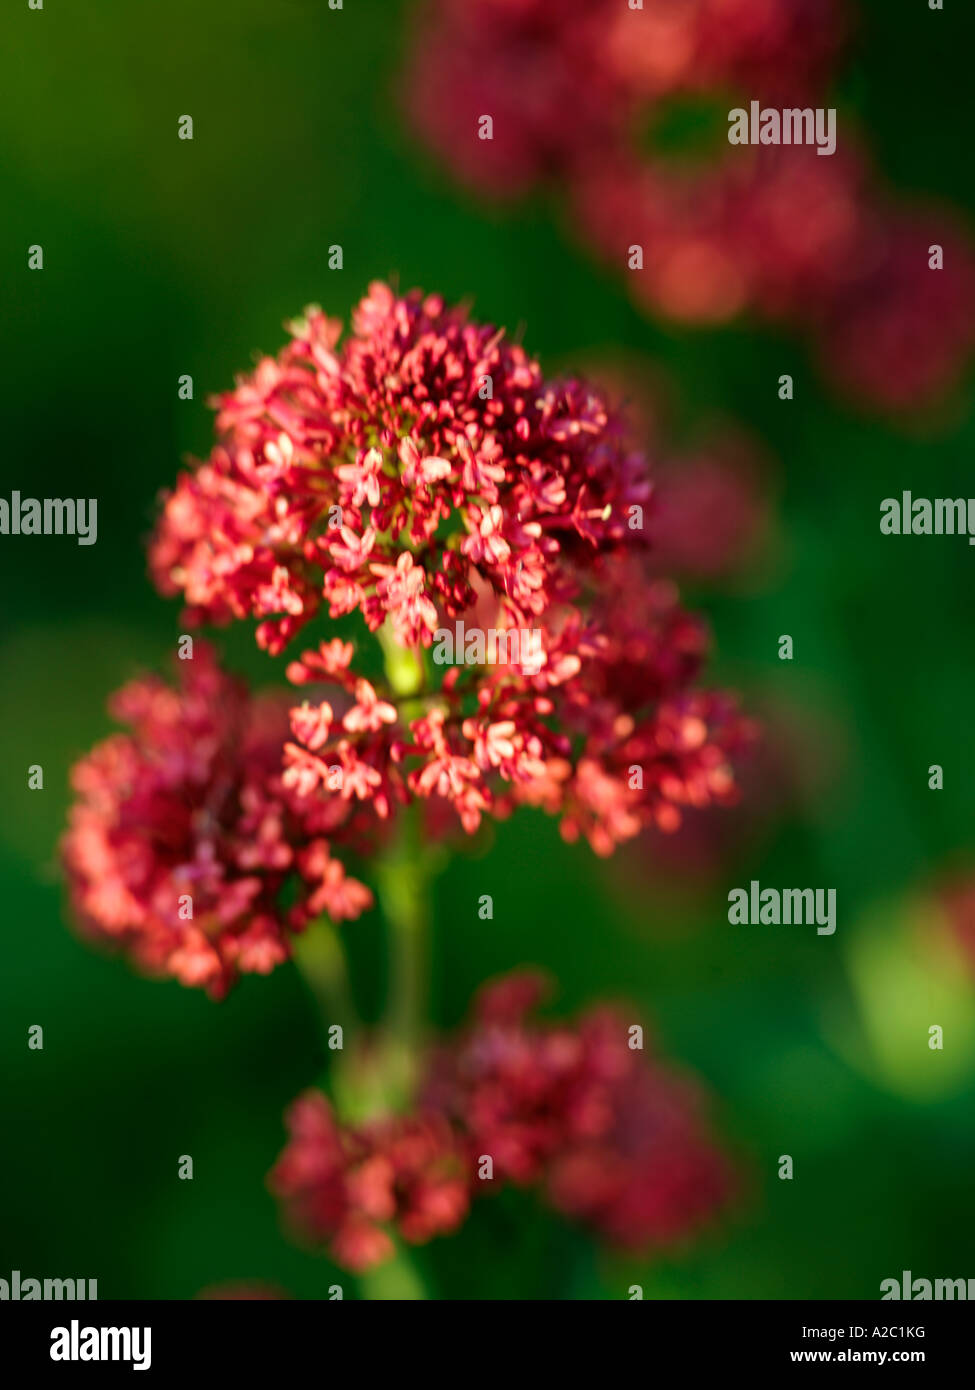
[426, 476]
[770, 230]
[337, 470]
[184, 843]
[606, 1136]
[563, 82]
[801, 755]
[901, 331]
[582, 93]
[346, 1187]
[610, 1137]
[805, 241]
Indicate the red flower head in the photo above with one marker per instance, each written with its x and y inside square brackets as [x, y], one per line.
[184, 839]
[900, 333]
[347, 1187]
[426, 476]
[589, 94]
[339, 470]
[568, 1108]
[612, 1139]
[564, 80]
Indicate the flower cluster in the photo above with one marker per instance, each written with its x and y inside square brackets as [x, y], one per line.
[338, 471]
[425, 473]
[344, 1187]
[584, 95]
[572, 1110]
[803, 753]
[564, 82]
[184, 843]
[801, 240]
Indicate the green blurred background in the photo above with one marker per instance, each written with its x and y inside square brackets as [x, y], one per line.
[164, 257]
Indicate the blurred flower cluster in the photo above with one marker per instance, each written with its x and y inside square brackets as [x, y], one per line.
[625, 110]
[185, 845]
[573, 1110]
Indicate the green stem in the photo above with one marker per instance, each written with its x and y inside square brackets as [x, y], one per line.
[397, 1279]
[404, 883]
[373, 1084]
[404, 666]
[404, 889]
[320, 958]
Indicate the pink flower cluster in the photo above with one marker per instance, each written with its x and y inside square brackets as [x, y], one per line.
[565, 80]
[608, 1137]
[184, 840]
[338, 469]
[425, 472]
[345, 1187]
[579, 94]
